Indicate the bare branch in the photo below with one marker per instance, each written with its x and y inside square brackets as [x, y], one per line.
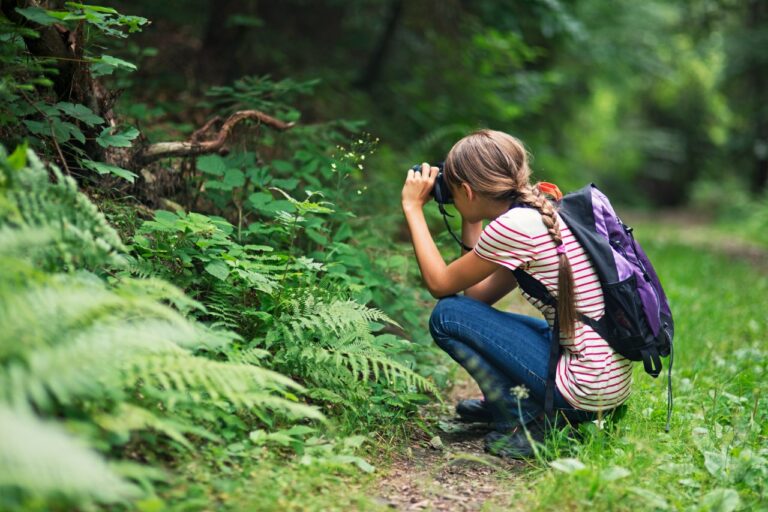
[194, 147]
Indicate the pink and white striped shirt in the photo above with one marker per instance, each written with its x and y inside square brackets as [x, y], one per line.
[590, 374]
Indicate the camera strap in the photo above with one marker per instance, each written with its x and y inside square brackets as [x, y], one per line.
[447, 225]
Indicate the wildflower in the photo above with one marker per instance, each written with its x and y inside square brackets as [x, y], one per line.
[520, 392]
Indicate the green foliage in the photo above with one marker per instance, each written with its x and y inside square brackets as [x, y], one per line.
[82, 237]
[111, 362]
[259, 93]
[31, 110]
[43, 459]
[733, 207]
[280, 303]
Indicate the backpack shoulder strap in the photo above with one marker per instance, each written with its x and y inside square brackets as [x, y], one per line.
[535, 289]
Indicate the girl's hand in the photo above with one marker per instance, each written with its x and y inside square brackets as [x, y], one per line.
[417, 187]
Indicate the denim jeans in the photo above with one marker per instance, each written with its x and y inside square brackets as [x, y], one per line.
[500, 350]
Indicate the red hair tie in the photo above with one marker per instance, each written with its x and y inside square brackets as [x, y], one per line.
[550, 189]
[561, 249]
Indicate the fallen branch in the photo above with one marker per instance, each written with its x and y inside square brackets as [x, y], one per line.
[195, 147]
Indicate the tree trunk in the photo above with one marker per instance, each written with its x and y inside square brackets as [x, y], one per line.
[370, 74]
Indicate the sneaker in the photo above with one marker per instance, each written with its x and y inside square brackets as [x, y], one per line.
[473, 410]
[515, 444]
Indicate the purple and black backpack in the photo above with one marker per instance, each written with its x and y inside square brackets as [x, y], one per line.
[637, 322]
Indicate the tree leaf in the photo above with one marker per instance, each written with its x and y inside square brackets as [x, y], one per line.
[106, 65]
[63, 131]
[80, 112]
[95, 8]
[37, 15]
[212, 164]
[234, 178]
[282, 166]
[118, 140]
[102, 168]
[286, 183]
[38, 127]
[218, 269]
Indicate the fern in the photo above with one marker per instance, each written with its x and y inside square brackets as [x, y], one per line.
[41, 458]
[128, 418]
[83, 237]
[331, 343]
[118, 342]
[203, 380]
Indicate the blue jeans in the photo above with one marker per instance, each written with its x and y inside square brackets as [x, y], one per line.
[500, 350]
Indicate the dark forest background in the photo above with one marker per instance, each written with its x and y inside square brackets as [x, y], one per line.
[648, 99]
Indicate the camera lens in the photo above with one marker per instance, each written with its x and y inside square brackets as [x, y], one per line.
[440, 191]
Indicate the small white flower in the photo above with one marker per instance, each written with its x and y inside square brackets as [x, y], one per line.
[520, 392]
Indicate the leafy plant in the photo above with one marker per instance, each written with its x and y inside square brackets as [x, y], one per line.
[107, 363]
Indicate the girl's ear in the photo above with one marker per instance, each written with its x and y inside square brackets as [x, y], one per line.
[468, 191]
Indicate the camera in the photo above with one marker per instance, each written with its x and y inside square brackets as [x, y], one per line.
[441, 192]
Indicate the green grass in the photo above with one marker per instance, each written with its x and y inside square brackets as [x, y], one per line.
[264, 482]
[715, 456]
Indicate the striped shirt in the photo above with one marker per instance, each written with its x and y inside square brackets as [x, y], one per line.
[590, 374]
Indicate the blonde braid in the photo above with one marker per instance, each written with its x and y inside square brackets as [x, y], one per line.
[566, 307]
[495, 165]
[532, 196]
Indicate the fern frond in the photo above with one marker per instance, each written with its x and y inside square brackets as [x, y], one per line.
[42, 459]
[83, 235]
[204, 380]
[128, 417]
[89, 365]
[332, 343]
[51, 312]
[158, 290]
[365, 364]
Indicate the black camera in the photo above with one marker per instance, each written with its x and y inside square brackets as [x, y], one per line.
[441, 192]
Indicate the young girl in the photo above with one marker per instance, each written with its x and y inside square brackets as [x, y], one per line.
[488, 175]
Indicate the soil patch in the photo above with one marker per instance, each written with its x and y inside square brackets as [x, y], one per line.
[451, 471]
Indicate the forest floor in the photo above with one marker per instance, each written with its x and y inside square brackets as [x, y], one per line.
[449, 472]
[452, 472]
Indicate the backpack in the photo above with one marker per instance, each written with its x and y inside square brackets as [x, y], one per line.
[638, 321]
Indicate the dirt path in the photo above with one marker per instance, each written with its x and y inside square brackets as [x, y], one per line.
[453, 473]
[690, 229]
[450, 472]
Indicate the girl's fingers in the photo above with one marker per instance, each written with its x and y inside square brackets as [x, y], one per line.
[425, 169]
[410, 174]
[433, 173]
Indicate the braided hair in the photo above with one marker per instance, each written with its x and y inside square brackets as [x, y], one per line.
[495, 165]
